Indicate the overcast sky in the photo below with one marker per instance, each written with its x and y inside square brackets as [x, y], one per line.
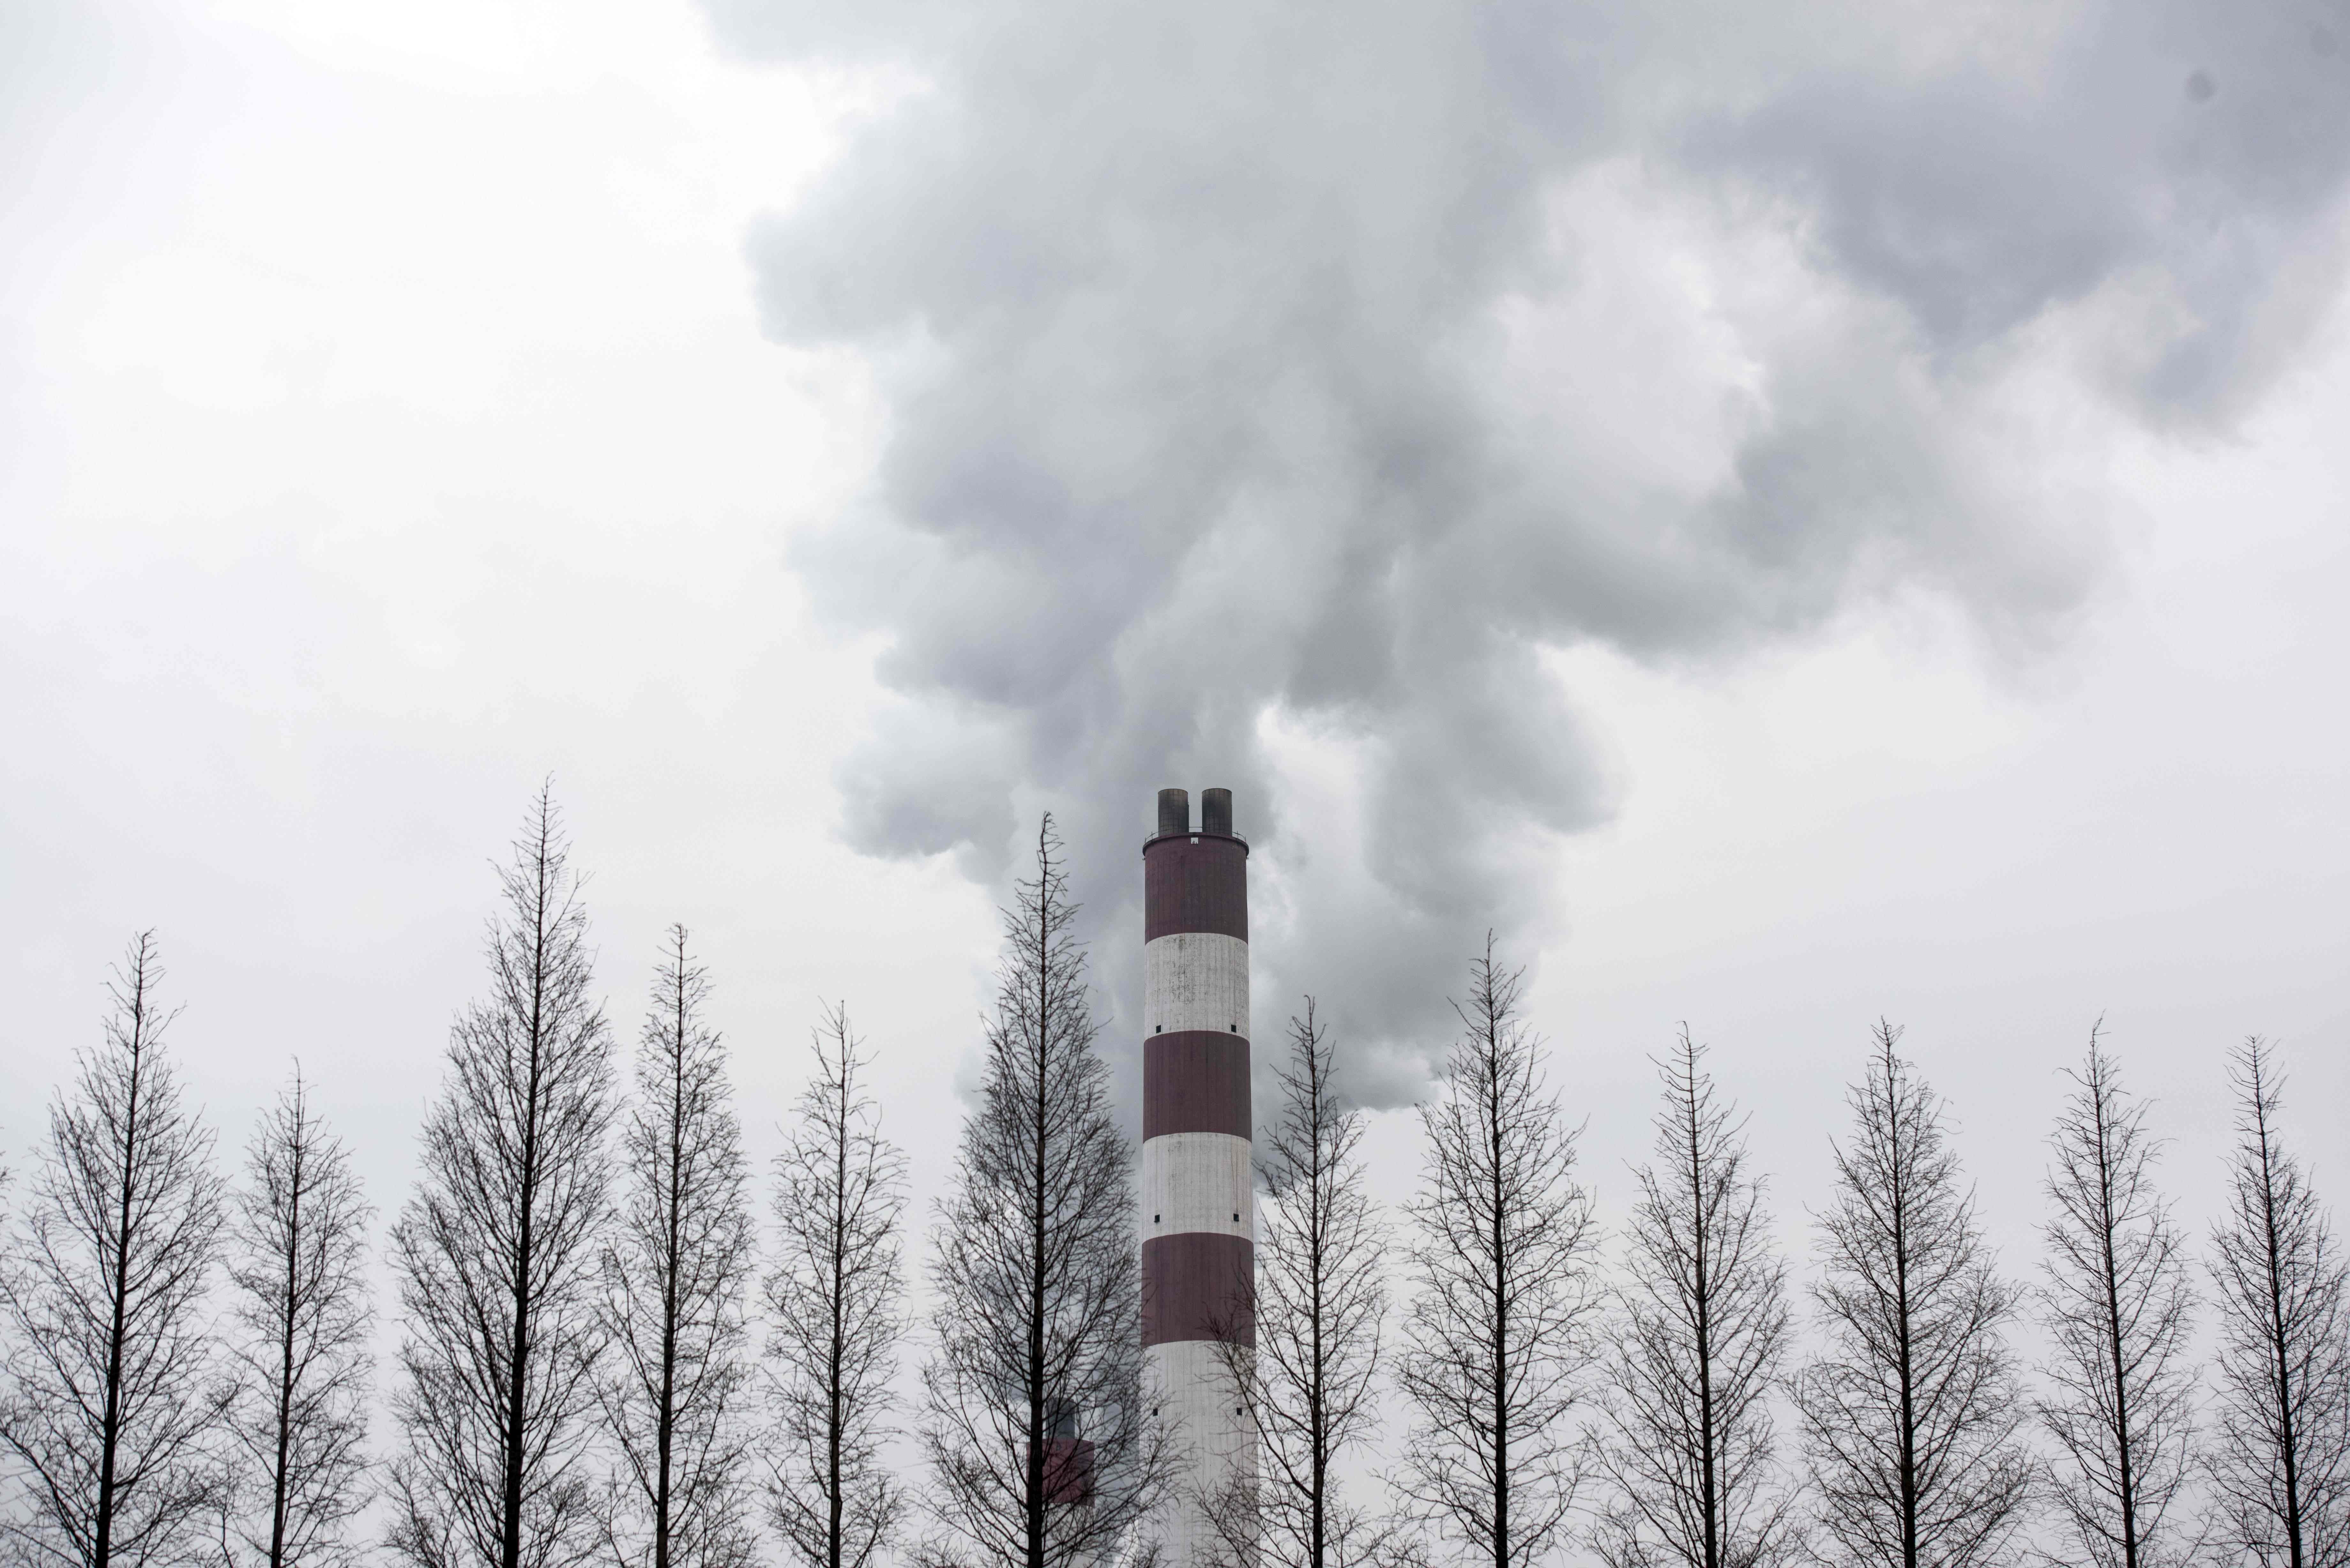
[1790, 526]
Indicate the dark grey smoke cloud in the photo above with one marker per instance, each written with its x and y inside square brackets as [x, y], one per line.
[1335, 363]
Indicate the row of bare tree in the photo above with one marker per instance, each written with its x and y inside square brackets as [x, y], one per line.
[597, 1363]
[576, 1272]
[1635, 1411]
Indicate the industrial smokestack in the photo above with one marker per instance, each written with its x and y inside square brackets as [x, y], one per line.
[1216, 812]
[1175, 811]
[1199, 1205]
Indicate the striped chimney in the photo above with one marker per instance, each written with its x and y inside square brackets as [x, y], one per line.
[1199, 1205]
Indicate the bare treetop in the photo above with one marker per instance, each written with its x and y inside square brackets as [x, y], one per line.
[296, 1426]
[677, 1268]
[1500, 1338]
[1911, 1412]
[496, 1252]
[112, 1401]
[836, 1302]
[2281, 1458]
[1036, 1359]
[1690, 1450]
[2119, 1311]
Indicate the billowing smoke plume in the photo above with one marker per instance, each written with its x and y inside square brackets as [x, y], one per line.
[1273, 370]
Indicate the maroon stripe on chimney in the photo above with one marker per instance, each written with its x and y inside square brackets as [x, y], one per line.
[1195, 1080]
[1195, 885]
[1199, 1285]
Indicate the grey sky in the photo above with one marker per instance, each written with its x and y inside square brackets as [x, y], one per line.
[1792, 524]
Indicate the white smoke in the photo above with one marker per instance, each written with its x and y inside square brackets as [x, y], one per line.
[1317, 369]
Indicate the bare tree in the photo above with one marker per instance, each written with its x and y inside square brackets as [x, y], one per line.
[1319, 1306]
[835, 1306]
[1039, 1449]
[303, 1366]
[1499, 1337]
[1911, 1416]
[1688, 1449]
[2119, 1312]
[496, 1252]
[676, 1273]
[110, 1397]
[2281, 1458]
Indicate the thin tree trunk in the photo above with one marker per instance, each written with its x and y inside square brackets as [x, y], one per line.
[289, 1308]
[1500, 1359]
[518, 1358]
[110, 1432]
[1040, 1150]
[835, 1504]
[670, 1304]
[1709, 1448]
[2288, 1439]
[2117, 1364]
